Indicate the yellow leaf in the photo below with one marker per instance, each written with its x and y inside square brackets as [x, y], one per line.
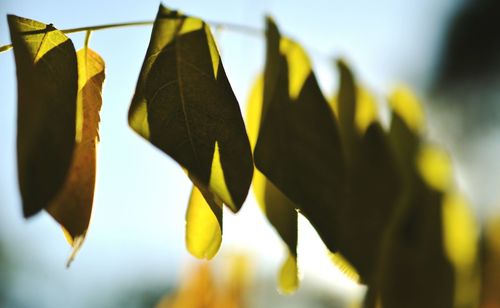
[254, 110]
[406, 105]
[299, 65]
[288, 279]
[435, 167]
[72, 207]
[203, 226]
[366, 110]
[344, 266]
[217, 181]
[460, 244]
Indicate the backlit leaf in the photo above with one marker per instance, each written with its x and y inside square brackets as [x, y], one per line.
[434, 166]
[344, 266]
[346, 106]
[300, 150]
[373, 178]
[72, 206]
[279, 210]
[203, 226]
[288, 278]
[185, 106]
[460, 234]
[415, 270]
[47, 77]
[298, 146]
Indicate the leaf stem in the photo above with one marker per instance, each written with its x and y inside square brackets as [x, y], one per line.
[5, 48]
[220, 25]
[87, 39]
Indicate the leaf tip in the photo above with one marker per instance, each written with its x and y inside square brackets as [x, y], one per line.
[288, 277]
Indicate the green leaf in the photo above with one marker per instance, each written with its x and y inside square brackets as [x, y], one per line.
[346, 105]
[184, 105]
[374, 195]
[373, 178]
[349, 202]
[406, 128]
[47, 79]
[278, 208]
[72, 207]
[298, 147]
[415, 269]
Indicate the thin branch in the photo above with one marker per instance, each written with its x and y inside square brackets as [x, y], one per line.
[220, 25]
[244, 29]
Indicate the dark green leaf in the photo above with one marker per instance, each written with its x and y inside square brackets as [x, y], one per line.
[298, 148]
[277, 207]
[414, 270]
[47, 88]
[185, 106]
[373, 179]
[347, 105]
[370, 203]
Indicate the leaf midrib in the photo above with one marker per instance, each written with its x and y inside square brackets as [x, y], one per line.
[181, 95]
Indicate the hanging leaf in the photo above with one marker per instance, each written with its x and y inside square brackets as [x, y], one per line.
[279, 210]
[407, 126]
[203, 225]
[298, 146]
[372, 176]
[299, 149]
[185, 106]
[461, 243]
[72, 206]
[47, 77]
[346, 106]
[414, 270]
[288, 278]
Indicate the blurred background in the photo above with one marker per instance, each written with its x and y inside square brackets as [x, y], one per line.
[447, 51]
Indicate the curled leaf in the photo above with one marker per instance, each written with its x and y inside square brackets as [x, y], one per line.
[72, 206]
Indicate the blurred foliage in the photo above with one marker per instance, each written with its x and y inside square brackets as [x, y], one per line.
[201, 289]
[382, 198]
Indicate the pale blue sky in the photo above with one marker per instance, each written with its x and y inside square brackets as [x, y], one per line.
[138, 223]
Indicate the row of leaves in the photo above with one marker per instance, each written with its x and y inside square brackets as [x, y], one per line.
[382, 200]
